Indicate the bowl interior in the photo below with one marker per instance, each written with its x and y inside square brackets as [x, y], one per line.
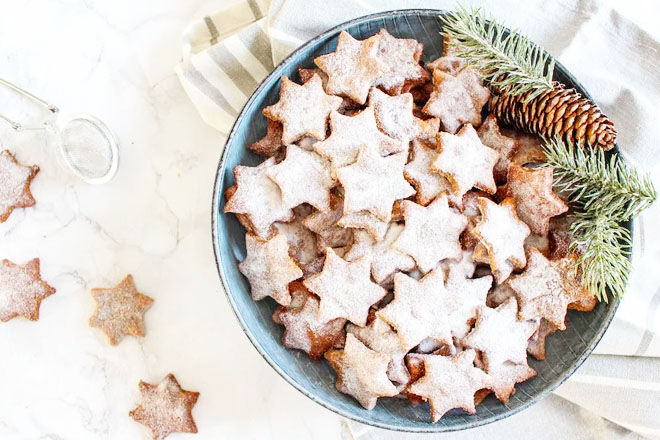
[565, 350]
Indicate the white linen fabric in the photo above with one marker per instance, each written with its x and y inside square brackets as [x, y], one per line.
[613, 49]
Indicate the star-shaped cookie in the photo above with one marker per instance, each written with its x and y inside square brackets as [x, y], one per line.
[503, 235]
[303, 177]
[536, 344]
[380, 337]
[15, 180]
[367, 221]
[120, 310]
[465, 161]
[361, 372]
[304, 331]
[456, 101]
[395, 118]
[271, 144]
[427, 183]
[22, 290]
[345, 288]
[546, 288]
[259, 198]
[447, 63]
[450, 382]
[490, 136]
[430, 233]
[385, 259]
[502, 339]
[324, 223]
[471, 293]
[165, 408]
[473, 83]
[353, 67]
[269, 268]
[374, 182]
[536, 202]
[401, 59]
[302, 242]
[350, 133]
[302, 109]
[420, 309]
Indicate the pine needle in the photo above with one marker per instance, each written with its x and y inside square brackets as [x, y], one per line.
[604, 246]
[508, 61]
[595, 184]
[602, 193]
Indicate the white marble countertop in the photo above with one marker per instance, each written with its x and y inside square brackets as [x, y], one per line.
[59, 378]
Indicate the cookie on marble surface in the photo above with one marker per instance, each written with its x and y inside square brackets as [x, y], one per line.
[15, 181]
[165, 408]
[22, 290]
[120, 310]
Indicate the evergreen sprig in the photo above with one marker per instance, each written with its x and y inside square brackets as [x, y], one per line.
[603, 246]
[602, 193]
[594, 184]
[508, 61]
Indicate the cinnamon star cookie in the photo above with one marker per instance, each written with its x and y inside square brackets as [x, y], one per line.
[165, 408]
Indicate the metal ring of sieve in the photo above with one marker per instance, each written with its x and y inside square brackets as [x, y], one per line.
[87, 147]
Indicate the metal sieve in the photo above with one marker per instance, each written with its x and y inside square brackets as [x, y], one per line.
[85, 144]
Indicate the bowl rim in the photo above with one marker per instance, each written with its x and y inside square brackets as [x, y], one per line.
[215, 213]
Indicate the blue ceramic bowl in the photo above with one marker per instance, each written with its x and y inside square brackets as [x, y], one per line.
[565, 350]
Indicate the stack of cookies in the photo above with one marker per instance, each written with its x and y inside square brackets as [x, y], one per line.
[406, 237]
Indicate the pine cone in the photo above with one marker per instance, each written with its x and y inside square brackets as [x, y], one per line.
[560, 112]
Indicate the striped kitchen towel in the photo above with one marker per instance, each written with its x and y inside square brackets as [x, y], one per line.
[225, 57]
[613, 49]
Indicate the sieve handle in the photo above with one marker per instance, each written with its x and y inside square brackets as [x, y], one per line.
[24, 92]
[15, 125]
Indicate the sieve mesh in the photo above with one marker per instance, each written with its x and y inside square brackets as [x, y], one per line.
[88, 148]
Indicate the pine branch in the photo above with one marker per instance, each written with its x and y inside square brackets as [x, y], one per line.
[508, 61]
[593, 184]
[604, 246]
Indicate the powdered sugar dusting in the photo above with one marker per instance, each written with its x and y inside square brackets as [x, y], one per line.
[165, 408]
[503, 234]
[386, 260]
[14, 184]
[21, 290]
